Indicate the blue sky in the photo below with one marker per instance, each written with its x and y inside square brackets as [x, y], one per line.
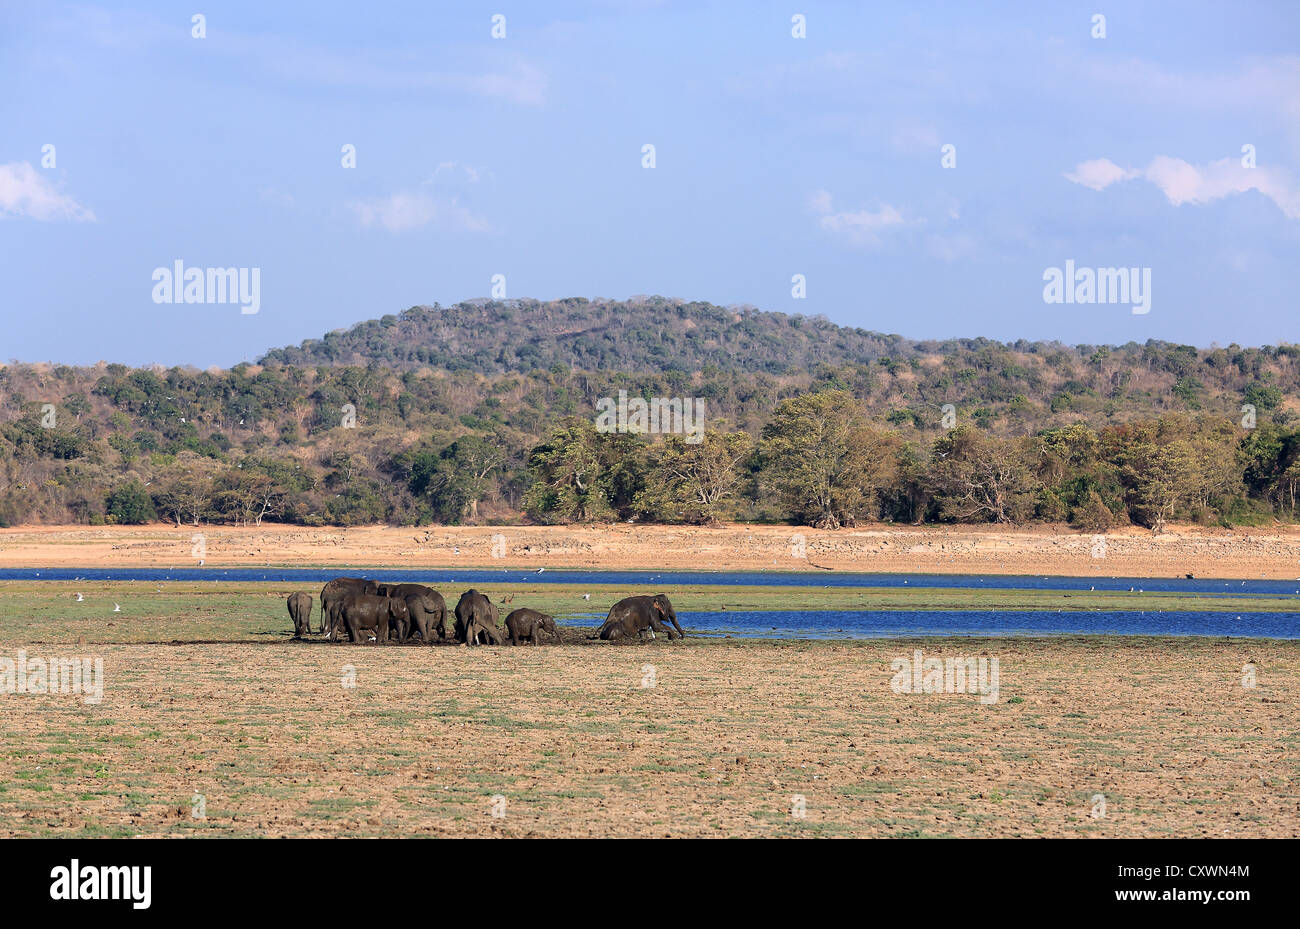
[522, 156]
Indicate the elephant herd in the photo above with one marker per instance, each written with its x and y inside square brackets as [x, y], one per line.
[373, 611]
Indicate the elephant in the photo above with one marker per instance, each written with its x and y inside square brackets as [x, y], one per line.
[633, 615]
[427, 608]
[332, 596]
[300, 610]
[525, 625]
[477, 615]
[366, 613]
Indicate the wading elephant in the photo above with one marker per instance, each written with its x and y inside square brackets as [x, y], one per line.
[633, 615]
[525, 625]
[427, 608]
[477, 616]
[300, 611]
[332, 596]
[367, 614]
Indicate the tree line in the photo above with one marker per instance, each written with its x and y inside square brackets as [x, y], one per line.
[807, 422]
[818, 460]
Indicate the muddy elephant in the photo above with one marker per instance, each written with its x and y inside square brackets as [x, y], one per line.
[332, 596]
[633, 615]
[477, 616]
[525, 625]
[364, 615]
[300, 612]
[427, 608]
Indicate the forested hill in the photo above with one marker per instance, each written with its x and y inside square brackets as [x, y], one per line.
[489, 411]
[634, 336]
[661, 343]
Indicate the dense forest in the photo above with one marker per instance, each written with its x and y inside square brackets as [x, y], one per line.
[486, 411]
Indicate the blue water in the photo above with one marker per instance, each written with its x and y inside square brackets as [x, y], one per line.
[868, 624]
[663, 580]
[816, 624]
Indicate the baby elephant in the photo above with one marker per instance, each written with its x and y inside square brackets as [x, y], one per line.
[300, 610]
[525, 625]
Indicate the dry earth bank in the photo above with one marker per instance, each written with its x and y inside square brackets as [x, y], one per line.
[1244, 553]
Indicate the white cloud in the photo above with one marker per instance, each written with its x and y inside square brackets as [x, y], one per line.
[863, 227]
[1182, 182]
[407, 210]
[1099, 173]
[24, 191]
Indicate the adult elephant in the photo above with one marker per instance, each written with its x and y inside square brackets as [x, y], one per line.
[633, 615]
[427, 608]
[364, 614]
[525, 625]
[300, 612]
[332, 596]
[477, 615]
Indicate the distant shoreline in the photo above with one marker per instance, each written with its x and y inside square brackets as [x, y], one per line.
[1245, 553]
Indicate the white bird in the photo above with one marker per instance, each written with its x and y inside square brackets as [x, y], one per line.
[540, 570]
[586, 596]
[455, 550]
[116, 608]
[80, 598]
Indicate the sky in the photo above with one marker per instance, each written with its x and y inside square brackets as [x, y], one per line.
[790, 138]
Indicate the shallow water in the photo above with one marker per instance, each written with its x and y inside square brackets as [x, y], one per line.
[869, 624]
[817, 624]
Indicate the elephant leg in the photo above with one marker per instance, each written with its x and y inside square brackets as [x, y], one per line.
[423, 626]
[656, 626]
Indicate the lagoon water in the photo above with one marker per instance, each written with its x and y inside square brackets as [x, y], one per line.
[870, 624]
[817, 624]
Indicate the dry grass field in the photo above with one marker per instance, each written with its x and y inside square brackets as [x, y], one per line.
[722, 743]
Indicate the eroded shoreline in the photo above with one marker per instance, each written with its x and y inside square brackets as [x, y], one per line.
[1236, 553]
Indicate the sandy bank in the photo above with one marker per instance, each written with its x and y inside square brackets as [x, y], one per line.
[1245, 553]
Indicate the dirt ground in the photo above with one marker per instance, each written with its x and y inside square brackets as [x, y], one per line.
[266, 740]
[1240, 553]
